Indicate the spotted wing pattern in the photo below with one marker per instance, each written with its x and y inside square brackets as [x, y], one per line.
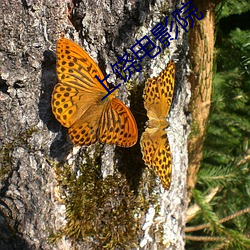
[77, 105]
[158, 94]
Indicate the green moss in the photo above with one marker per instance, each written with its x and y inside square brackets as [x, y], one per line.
[105, 212]
[28, 133]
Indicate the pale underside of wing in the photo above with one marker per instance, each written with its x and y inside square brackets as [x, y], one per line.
[156, 154]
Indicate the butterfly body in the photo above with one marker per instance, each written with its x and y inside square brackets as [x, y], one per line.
[158, 93]
[77, 104]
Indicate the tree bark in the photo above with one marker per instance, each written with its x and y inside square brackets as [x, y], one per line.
[54, 196]
[201, 42]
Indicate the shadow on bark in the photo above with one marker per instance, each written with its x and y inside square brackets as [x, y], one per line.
[61, 145]
[9, 239]
[131, 163]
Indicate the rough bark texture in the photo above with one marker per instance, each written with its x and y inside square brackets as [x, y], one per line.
[37, 160]
[201, 41]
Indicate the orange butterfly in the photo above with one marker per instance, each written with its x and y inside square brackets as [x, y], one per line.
[77, 105]
[158, 93]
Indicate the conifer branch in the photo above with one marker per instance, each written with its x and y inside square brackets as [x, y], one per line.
[205, 238]
[245, 159]
[230, 217]
[194, 209]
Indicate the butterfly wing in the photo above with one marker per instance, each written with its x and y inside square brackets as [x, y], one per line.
[158, 93]
[70, 103]
[76, 68]
[117, 125]
[77, 105]
[78, 89]
[156, 154]
[85, 130]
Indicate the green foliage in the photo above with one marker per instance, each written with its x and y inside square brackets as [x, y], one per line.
[207, 211]
[230, 7]
[226, 155]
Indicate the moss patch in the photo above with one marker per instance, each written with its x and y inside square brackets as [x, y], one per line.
[103, 212]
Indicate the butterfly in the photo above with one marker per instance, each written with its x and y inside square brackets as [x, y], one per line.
[157, 95]
[77, 105]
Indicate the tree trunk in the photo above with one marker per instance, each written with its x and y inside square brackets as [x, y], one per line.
[201, 42]
[54, 196]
